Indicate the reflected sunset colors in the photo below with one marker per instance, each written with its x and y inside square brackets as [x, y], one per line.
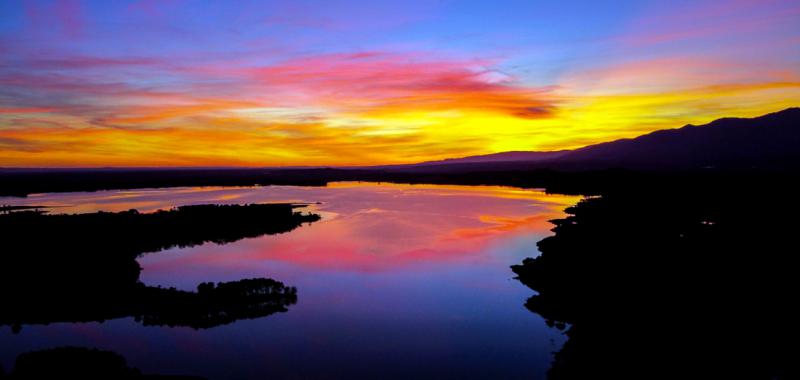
[370, 227]
[423, 267]
[366, 227]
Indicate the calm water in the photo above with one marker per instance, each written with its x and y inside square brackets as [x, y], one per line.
[396, 281]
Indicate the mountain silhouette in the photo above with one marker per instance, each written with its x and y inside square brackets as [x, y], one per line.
[767, 142]
[760, 145]
[511, 156]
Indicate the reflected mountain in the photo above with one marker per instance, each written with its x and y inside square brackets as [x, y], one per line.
[78, 363]
[82, 267]
[682, 282]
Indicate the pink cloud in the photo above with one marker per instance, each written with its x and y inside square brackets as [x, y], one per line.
[370, 82]
[387, 80]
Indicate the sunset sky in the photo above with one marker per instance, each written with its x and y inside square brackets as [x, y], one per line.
[258, 83]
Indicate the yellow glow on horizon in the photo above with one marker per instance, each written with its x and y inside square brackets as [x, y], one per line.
[232, 135]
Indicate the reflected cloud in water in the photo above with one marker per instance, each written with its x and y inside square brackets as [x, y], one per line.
[394, 278]
[382, 227]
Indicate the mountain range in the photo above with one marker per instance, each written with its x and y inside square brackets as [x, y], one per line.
[770, 142]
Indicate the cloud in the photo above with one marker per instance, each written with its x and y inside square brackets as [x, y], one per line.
[378, 82]
[20, 145]
[355, 83]
[672, 73]
[18, 110]
[296, 84]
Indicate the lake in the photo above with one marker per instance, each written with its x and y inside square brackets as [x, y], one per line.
[396, 281]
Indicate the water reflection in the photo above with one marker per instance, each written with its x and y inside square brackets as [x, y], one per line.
[370, 227]
[396, 281]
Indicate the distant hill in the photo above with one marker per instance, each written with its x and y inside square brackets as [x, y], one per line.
[513, 156]
[767, 142]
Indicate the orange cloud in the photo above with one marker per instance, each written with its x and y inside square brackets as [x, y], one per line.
[361, 108]
[17, 110]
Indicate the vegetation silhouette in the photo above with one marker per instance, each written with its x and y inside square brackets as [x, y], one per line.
[82, 267]
[689, 280]
[77, 363]
[7, 209]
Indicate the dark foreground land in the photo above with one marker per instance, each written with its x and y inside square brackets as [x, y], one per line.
[21, 183]
[661, 274]
[82, 268]
[78, 363]
[517, 174]
[684, 266]
[688, 280]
